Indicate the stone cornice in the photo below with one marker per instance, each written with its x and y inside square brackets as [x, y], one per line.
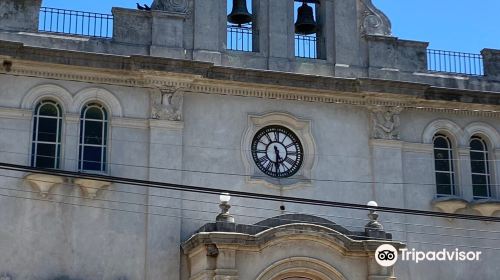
[201, 77]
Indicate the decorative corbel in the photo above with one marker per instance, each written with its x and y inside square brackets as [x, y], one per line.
[43, 183]
[91, 187]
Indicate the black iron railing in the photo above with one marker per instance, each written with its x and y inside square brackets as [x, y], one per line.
[306, 46]
[76, 22]
[240, 38]
[455, 62]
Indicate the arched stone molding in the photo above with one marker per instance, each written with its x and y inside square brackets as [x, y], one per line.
[47, 91]
[447, 127]
[301, 267]
[103, 96]
[302, 128]
[489, 133]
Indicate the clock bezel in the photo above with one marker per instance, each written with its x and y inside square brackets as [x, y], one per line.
[295, 140]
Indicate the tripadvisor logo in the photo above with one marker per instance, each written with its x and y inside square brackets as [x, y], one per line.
[387, 255]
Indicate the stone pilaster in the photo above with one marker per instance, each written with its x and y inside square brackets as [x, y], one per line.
[163, 232]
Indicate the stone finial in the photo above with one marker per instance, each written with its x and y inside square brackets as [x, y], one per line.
[224, 205]
[374, 21]
[167, 104]
[385, 122]
[374, 228]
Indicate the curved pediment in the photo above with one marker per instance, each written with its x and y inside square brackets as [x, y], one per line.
[287, 246]
[285, 227]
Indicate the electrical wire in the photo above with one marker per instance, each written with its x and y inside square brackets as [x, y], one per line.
[264, 227]
[391, 230]
[281, 181]
[206, 190]
[257, 208]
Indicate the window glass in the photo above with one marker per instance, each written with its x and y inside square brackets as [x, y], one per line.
[444, 166]
[93, 133]
[480, 168]
[46, 140]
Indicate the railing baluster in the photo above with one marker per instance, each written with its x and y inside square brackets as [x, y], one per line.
[306, 46]
[455, 62]
[61, 21]
[240, 38]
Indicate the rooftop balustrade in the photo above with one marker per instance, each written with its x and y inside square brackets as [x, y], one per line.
[75, 22]
[130, 27]
[455, 62]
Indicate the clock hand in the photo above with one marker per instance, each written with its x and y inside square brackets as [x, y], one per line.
[276, 163]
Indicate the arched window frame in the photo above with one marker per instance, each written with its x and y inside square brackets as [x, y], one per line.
[480, 168]
[37, 142]
[441, 168]
[84, 163]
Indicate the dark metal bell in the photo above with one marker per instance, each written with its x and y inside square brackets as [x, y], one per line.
[305, 24]
[239, 15]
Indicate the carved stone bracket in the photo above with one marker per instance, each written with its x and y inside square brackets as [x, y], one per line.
[167, 104]
[175, 6]
[374, 21]
[91, 187]
[449, 204]
[43, 183]
[385, 122]
[486, 207]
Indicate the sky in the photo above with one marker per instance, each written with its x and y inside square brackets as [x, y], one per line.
[455, 25]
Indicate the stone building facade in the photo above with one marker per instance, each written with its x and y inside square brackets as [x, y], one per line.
[164, 100]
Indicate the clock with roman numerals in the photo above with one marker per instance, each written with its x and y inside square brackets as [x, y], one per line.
[277, 151]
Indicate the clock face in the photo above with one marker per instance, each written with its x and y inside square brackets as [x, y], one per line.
[277, 151]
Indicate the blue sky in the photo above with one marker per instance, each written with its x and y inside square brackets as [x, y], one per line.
[458, 25]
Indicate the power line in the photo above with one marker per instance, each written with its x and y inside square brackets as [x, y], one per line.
[216, 191]
[391, 230]
[265, 227]
[257, 176]
[257, 208]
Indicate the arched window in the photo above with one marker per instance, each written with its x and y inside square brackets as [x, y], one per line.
[480, 168]
[443, 159]
[93, 138]
[46, 145]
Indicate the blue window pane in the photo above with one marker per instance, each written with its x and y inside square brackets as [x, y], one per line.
[441, 142]
[444, 184]
[47, 130]
[480, 185]
[46, 156]
[93, 133]
[94, 113]
[91, 158]
[49, 110]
